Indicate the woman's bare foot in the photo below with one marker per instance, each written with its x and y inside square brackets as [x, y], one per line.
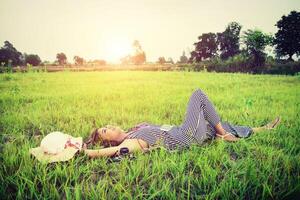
[269, 126]
[273, 124]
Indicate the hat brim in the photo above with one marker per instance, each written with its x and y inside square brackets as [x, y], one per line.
[65, 155]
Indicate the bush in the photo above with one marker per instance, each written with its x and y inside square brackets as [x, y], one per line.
[288, 68]
[238, 63]
[186, 67]
[32, 59]
[242, 63]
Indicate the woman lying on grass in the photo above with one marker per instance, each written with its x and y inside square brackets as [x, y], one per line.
[201, 123]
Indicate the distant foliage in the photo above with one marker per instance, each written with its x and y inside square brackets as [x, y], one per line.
[221, 51]
[256, 42]
[161, 60]
[226, 51]
[32, 59]
[139, 56]
[287, 38]
[205, 48]
[98, 62]
[61, 58]
[78, 60]
[170, 60]
[10, 56]
[241, 63]
[228, 40]
[139, 59]
[237, 63]
[183, 59]
[282, 67]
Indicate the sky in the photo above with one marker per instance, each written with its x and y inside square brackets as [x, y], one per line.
[105, 29]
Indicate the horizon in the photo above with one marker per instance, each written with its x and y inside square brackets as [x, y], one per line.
[105, 30]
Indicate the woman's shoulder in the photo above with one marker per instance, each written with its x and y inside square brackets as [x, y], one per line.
[136, 141]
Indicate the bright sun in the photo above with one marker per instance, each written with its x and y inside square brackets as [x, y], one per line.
[117, 49]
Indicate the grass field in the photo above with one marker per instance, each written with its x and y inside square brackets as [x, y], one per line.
[264, 166]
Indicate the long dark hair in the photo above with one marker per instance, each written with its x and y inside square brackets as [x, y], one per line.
[93, 138]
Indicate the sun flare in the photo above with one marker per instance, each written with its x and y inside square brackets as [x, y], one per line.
[117, 49]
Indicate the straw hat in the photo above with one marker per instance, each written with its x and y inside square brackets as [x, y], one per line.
[57, 146]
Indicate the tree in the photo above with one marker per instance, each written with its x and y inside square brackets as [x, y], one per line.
[170, 60]
[161, 60]
[229, 40]
[78, 60]
[61, 58]
[9, 55]
[206, 48]
[287, 38]
[256, 41]
[32, 59]
[183, 58]
[139, 56]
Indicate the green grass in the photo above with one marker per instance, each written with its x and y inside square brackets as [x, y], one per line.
[264, 166]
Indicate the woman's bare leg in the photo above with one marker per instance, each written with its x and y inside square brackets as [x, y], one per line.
[220, 130]
[258, 129]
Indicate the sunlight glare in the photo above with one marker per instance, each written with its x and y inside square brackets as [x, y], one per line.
[117, 49]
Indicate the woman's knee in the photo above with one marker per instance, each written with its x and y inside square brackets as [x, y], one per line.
[198, 92]
[197, 96]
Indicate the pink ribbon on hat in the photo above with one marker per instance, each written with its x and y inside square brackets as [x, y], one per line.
[71, 143]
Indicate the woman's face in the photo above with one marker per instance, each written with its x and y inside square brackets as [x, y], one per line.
[107, 134]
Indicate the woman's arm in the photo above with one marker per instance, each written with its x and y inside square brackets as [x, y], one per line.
[106, 152]
[132, 144]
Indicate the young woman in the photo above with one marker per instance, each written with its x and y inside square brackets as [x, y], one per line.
[201, 123]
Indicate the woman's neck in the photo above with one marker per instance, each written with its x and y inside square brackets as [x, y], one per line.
[122, 137]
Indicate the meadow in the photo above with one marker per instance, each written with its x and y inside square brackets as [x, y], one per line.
[263, 166]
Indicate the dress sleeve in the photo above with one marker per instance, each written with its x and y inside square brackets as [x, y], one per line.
[146, 133]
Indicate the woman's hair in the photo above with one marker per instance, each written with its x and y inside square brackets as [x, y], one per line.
[94, 137]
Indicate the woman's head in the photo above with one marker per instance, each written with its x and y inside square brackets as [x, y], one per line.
[106, 136]
[110, 133]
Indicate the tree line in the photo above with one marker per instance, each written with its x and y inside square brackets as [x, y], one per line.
[225, 51]
[10, 56]
[231, 51]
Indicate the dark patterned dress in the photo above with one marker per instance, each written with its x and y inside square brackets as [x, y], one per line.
[200, 120]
